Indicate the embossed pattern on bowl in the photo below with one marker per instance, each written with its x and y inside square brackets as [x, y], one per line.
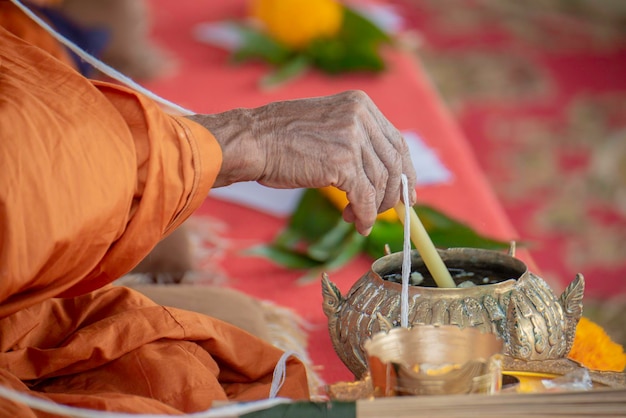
[519, 307]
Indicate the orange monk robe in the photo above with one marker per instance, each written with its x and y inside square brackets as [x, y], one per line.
[92, 176]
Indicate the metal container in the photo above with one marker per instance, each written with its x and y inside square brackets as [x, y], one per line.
[514, 304]
[434, 360]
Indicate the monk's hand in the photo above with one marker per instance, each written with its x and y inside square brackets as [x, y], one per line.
[341, 140]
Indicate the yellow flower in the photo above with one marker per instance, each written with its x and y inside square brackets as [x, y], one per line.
[340, 200]
[295, 23]
[594, 349]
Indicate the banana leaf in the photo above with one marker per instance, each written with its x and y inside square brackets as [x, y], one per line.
[257, 45]
[355, 47]
[444, 231]
[317, 239]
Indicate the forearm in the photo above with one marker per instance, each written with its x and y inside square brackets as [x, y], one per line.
[240, 143]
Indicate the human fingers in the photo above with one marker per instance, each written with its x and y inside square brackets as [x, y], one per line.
[393, 151]
[384, 158]
[361, 209]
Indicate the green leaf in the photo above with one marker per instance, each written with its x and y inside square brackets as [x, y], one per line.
[384, 233]
[344, 246]
[317, 238]
[311, 220]
[334, 56]
[357, 28]
[257, 45]
[288, 71]
[283, 257]
[348, 249]
[326, 246]
[355, 47]
[447, 232]
[444, 231]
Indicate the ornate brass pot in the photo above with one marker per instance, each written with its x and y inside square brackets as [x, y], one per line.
[515, 304]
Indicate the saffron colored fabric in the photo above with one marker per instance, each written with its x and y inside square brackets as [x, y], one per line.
[92, 176]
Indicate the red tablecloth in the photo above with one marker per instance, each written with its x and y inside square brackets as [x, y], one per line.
[207, 83]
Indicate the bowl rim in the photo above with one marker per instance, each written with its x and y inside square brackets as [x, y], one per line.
[472, 254]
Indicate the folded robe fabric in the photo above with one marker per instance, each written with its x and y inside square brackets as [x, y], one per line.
[92, 176]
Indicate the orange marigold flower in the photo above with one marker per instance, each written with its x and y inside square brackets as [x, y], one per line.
[594, 349]
[296, 23]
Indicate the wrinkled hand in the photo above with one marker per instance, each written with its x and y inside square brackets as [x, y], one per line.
[341, 140]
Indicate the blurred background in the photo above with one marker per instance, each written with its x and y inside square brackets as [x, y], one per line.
[539, 89]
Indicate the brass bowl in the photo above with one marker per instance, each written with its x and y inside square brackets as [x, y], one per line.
[515, 305]
[434, 360]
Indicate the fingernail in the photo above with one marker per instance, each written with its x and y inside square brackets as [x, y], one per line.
[367, 231]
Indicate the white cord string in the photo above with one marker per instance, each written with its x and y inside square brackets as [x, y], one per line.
[172, 108]
[280, 372]
[44, 405]
[406, 257]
